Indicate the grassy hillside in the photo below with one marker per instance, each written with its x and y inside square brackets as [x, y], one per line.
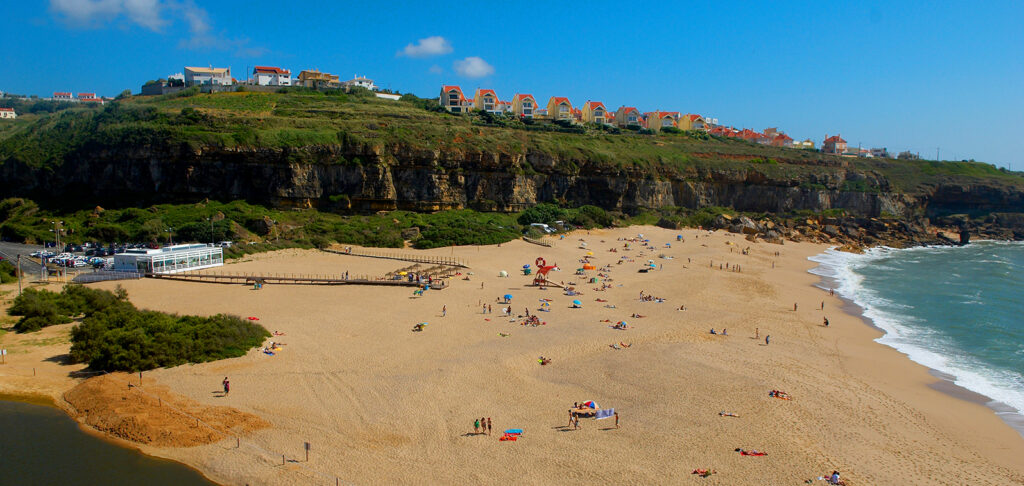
[301, 118]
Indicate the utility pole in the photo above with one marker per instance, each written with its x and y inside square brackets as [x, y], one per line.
[19, 274]
[937, 154]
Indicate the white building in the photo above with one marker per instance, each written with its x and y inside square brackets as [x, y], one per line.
[8, 113]
[62, 96]
[169, 259]
[271, 76]
[196, 76]
[359, 81]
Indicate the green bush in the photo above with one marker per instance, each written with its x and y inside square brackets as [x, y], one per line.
[123, 338]
[42, 308]
[545, 213]
[8, 273]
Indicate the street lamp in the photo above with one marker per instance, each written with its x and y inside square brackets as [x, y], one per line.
[170, 235]
[210, 219]
[56, 232]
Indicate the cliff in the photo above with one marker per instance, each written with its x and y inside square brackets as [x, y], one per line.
[379, 157]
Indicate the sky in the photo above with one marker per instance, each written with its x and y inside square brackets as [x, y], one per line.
[929, 77]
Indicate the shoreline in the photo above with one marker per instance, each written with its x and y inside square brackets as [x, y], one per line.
[945, 382]
[461, 353]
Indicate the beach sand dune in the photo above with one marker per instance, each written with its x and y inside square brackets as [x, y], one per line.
[381, 404]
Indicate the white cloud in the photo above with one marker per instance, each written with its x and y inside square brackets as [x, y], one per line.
[473, 67]
[427, 47]
[92, 13]
[154, 15]
[435, 69]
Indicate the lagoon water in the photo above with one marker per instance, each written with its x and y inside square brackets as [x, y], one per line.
[42, 445]
[958, 310]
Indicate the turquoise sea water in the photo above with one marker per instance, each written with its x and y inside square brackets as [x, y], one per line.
[958, 310]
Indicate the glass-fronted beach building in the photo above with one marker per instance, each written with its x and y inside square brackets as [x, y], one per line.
[169, 259]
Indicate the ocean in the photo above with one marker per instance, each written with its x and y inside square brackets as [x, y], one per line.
[957, 310]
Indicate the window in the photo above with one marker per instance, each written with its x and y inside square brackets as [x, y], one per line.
[563, 109]
[527, 104]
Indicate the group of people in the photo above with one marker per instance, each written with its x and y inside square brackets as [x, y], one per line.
[649, 298]
[779, 394]
[725, 332]
[483, 424]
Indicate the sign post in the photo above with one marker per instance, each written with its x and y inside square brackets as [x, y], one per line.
[307, 451]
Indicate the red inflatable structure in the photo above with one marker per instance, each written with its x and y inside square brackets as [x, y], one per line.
[542, 273]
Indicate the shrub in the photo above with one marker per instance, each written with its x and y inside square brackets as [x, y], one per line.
[8, 273]
[545, 213]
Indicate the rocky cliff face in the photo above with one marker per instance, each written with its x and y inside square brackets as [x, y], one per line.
[336, 177]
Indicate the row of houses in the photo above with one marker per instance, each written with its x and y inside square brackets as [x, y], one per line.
[79, 98]
[523, 105]
[214, 78]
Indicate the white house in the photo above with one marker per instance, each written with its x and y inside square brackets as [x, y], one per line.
[62, 96]
[359, 81]
[8, 113]
[271, 76]
[195, 76]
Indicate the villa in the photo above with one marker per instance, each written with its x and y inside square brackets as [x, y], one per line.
[486, 100]
[62, 96]
[692, 122]
[453, 100]
[524, 105]
[318, 80]
[197, 76]
[358, 81]
[559, 108]
[628, 116]
[271, 76]
[657, 120]
[595, 112]
[834, 145]
[8, 113]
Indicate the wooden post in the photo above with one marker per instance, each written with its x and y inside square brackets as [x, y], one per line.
[282, 459]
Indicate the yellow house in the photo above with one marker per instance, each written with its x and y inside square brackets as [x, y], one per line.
[595, 112]
[692, 122]
[452, 99]
[318, 80]
[656, 120]
[524, 105]
[628, 116]
[559, 108]
[487, 100]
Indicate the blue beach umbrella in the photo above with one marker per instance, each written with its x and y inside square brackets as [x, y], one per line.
[577, 302]
[508, 296]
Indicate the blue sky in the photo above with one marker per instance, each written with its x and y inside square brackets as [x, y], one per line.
[914, 75]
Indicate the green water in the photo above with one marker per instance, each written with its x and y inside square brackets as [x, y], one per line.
[42, 445]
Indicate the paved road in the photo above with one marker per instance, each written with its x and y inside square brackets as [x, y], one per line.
[10, 252]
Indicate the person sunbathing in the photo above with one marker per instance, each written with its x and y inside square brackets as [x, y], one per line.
[704, 472]
[278, 333]
[727, 414]
[638, 316]
[625, 345]
[614, 346]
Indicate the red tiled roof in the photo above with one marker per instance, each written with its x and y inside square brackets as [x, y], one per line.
[6, 109]
[270, 69]
[693, 117]
[783, 136]
[487, 91]
[835, 139]
[595, 105]
[448, 88]
[61, 94]
[560, 99]
[627, 109]
[86, 95]
[524, 96]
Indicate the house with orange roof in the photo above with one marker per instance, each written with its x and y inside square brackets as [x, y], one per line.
[595, 112]
[89, 98]
[577, 115]
[524, 105]
[313, 78]
[486, 100]
[504, 106]
[627, 116]
[656, 120]
[271, 76]
[833, 145]
[559, 108]
[453, 100]
[692, 122]
[8, 113]
[781, 140]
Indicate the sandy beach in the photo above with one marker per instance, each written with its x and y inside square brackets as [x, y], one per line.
[381, 404]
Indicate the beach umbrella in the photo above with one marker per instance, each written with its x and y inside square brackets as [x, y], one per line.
[590, 253]
[403, 273]
[654, 266]
[526, 266]
[508, 296]
[577, 302]
[503, 273]
[591, 404]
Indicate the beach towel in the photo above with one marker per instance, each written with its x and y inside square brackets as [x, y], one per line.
[603, 414]
[514, 431]
[753, 453]
[508, 437]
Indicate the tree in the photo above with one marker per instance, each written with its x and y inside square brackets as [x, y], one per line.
[124, 94]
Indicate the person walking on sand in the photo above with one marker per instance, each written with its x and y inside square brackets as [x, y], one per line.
[794, 306]
[570, 417]
[476, 426]
[757, 333]
[826, 322]
[767, 339]
[227, 386]
[488, 426]
[444, 310]
[489, 308]
[823, 305]
[616, 420]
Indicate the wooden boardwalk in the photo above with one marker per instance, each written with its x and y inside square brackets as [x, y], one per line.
[405, 257]
[288, 279]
